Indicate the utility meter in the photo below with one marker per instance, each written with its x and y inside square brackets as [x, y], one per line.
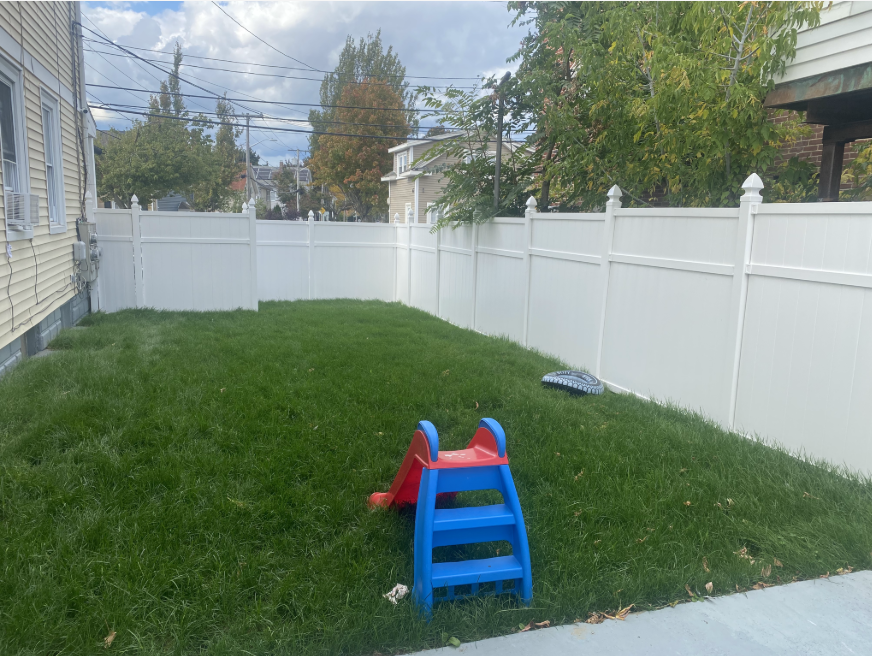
[89, 265]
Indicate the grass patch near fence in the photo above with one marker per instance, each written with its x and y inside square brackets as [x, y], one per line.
[197, 483]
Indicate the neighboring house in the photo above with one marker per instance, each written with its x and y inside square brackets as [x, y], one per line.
[47, 146]
[266, 186]
[415, 183]
[830, 79]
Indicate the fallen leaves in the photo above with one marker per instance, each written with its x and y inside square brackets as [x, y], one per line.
[533, 626]
[581, 473]
[687, 503]
[689, 591]
[709, 587]
[450, 641]
[476, 405]
[222, 389]
[108, 640]
[844, 570]
[766, 571]
[311, 370]
[806, 495]
[641, 540]
[446, 372]
[599, 618]
[777, 562]
[825, 576]
[760, 585]
[743, 553]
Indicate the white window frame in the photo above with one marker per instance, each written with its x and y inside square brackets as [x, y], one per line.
[402, 162]
[57, 224]
[13, 75]
[408, 217]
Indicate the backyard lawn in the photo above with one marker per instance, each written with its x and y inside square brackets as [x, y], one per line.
[197, 483]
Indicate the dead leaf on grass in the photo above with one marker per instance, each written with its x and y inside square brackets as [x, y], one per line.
[689, 591]
[476, 405]
[687, 503]
[760, 585]
[729, 502]
[705, 564]
[709, 587]
[825, 576]
[532, 626]
[641, 540]
[743, 553]
[622, 614]
[595, 618]
[806, 495]
[223, 388]
[845, 570]
[777, 562]
[311, 370]
[108, 640]
[597, 541]
[446, 372]
[581, 473]
[766, 571]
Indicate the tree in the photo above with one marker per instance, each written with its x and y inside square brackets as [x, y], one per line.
[356, 164]
[171, 152]
[664, 99]
[366, 60]
[214, 192]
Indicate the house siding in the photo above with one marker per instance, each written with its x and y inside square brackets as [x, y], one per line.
[41, 267]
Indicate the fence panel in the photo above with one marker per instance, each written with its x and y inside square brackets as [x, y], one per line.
[423, 271]
[354, 260]
[565, 295]
[805, 376]
[116, 288]
[668, 305]
[283, 260]
[455, 275]
[196, 260]
[500, 283]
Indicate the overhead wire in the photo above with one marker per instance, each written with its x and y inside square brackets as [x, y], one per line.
[271, 75]
[292, 68]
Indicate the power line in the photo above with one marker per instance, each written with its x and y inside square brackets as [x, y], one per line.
[289, 68]
[270, 102]
[273, 75]
[269, 117]
[258, 38]
[265, 127]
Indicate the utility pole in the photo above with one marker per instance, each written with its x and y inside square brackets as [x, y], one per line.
[298, 179]
[247, 161]
[499, 139]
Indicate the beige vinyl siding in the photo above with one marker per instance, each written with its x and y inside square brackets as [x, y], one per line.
[53, 252]
[402, 192]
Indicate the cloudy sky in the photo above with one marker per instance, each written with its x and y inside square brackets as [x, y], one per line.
[441, 39]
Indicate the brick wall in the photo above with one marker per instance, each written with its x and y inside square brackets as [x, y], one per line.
[811, 148]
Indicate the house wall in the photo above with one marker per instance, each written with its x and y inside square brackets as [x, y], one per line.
[36, 37]
[840, 41]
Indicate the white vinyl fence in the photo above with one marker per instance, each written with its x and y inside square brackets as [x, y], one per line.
[759, 317]
[176, 260]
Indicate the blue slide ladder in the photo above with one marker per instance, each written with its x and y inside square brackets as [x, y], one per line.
[457, 526]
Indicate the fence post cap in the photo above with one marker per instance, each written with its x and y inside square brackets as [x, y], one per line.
[251, 201]
[311, 214]
[531, 204]
[752, 186]
[245, 207]
[396, 217]
[134, 199]
[615, 193]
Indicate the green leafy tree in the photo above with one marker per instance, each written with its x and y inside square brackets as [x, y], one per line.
[859, 173]
[365, 60]
[356, 164]
[214, 192]
[664, 99]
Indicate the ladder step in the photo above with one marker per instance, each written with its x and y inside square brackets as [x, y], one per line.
[452, 519]
[486, 570]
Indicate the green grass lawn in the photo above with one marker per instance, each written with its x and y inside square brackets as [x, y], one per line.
[198, 483]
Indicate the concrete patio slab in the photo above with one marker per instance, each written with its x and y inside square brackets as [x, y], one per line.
[826, 617]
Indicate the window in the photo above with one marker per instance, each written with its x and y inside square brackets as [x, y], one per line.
[54, 180]
[11, 178]
[433, 213]
[402, 162]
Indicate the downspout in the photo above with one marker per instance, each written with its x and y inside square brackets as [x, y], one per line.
[80, 100]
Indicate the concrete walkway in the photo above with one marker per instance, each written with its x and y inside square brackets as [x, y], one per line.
[829, 617]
